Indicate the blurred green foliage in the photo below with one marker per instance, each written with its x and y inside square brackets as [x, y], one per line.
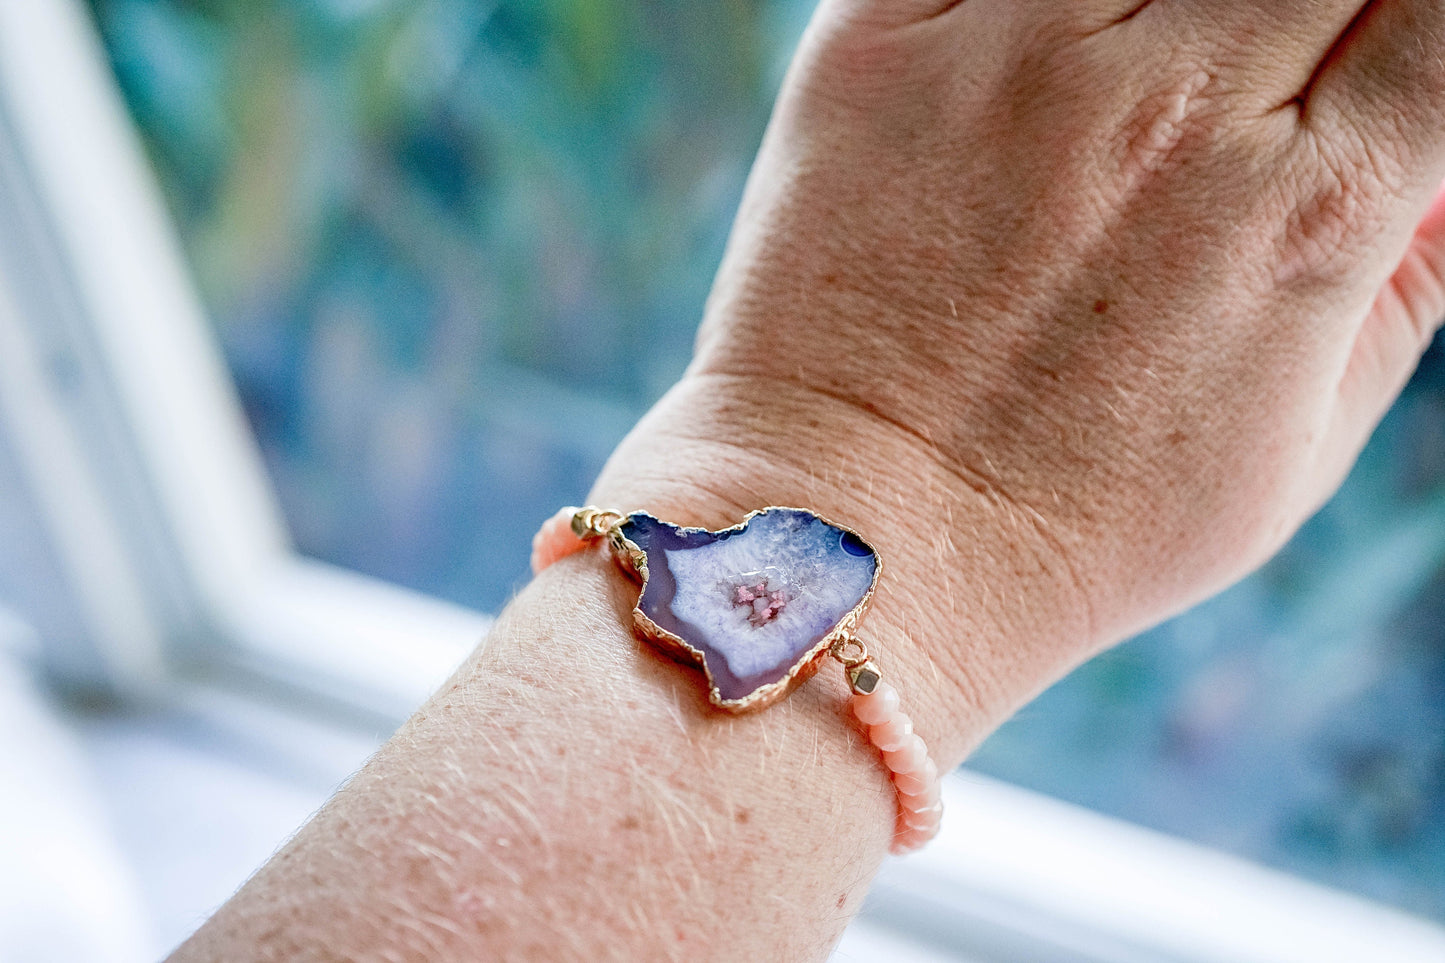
[453, 248]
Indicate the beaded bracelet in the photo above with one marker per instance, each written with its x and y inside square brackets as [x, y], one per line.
[757, 607]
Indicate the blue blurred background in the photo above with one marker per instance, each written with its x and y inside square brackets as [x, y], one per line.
[454, 248]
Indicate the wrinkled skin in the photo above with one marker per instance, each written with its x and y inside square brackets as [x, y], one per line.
[1112, 295]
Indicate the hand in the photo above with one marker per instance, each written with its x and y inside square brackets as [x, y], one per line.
[1076, 310]
[1091, 304]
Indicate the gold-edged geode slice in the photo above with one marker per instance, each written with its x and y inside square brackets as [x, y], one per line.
[756, 606]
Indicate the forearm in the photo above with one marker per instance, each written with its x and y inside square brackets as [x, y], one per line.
[569, 793]
[1112, 325]
[565, 796]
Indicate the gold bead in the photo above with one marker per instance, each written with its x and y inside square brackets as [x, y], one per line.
[864, 678]
[582, 522]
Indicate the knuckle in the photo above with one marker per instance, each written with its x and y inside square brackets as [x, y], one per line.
[1177, 120]
[1338, 207]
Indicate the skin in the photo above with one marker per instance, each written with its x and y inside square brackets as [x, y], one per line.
[1075, 310]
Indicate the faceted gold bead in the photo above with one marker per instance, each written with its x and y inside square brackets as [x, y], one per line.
[864, 678]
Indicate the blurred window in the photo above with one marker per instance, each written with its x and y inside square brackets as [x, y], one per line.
[452, 249]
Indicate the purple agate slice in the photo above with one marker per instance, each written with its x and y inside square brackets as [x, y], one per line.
[754, 600]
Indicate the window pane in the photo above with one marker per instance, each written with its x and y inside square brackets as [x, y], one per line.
[435, 237]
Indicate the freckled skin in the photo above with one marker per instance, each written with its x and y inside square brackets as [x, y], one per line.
[944, 193]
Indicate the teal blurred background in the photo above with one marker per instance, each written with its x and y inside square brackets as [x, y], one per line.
[454, 248]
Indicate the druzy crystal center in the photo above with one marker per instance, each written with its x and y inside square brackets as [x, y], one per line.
[753, 603]
[761, 596]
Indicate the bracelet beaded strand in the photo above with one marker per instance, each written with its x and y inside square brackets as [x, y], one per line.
[913, 771]
[774, 595]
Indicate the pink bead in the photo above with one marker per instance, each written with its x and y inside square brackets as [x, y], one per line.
[923, 818]
[915, 774]
[904, 842]
[908, 840]
[919, 834]
[931, 795]
[907, 758]
[919, 779]
[877, 706]
[924, 833]
[891, 734]
[555, 540]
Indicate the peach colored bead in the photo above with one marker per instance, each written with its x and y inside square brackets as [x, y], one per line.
[904, 842]
[905, 830]
[908, 840]
[931, 795]
[892, 733]
[921, 832]
[926, 832]
[918, 780]
[910, 756]
[915, 774]
[555, 540]
[877, 706]
[923, 818]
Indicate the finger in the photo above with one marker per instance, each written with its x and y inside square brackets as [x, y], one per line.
[892, 13]
[1088, 16]
[1401, 324]
[1383, 85]
[1085, 16]
[1266, 50]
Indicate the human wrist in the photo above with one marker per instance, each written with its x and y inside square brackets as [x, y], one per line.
[971, 618]
[567, 793]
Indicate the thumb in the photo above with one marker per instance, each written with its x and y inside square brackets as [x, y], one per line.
[1398, 329]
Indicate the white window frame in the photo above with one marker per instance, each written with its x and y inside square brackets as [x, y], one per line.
[161, 513]
[117, 407]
